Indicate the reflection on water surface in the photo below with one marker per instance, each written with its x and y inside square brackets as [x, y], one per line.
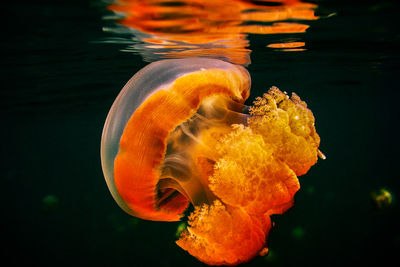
[195, 28]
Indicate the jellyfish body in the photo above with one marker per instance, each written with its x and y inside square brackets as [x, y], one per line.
[179, 133]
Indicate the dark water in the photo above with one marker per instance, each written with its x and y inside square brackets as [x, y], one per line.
[59, 81]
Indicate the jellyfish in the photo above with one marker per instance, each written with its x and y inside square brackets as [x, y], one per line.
[179, 134]
[382, 198]
[50, 203]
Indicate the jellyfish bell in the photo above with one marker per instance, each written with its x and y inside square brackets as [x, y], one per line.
[160, 96]
[179, 133]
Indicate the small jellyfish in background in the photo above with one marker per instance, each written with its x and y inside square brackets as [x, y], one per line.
[50, 203]
[298, 233]
[179, 133]
[382, 198]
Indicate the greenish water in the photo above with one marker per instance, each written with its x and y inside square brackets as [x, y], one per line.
[59, 82]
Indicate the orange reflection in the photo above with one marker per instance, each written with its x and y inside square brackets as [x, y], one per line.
[217, 28]
[287, 45]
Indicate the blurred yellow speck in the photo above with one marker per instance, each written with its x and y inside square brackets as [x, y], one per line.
[181, 227]
[382, 198]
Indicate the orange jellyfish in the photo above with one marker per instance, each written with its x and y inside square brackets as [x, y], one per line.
[179, 133]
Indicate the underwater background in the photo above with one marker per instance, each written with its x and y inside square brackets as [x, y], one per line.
[62, 69]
